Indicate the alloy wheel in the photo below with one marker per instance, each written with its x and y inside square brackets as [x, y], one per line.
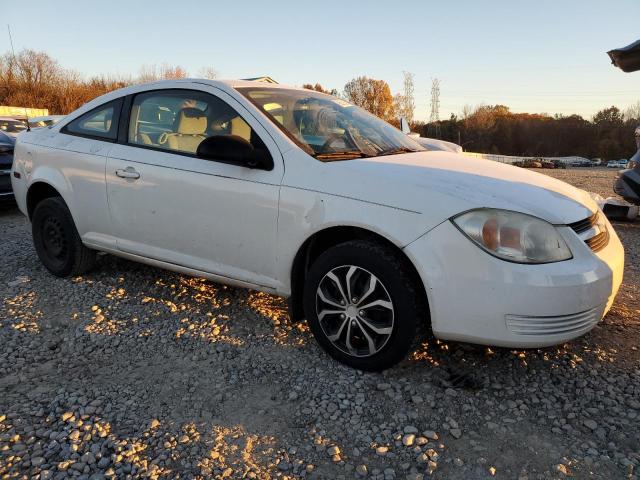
[354, 310]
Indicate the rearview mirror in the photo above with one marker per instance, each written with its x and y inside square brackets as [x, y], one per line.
[404, 126]
[234, 149]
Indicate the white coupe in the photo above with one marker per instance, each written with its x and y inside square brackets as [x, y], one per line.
[304, 195]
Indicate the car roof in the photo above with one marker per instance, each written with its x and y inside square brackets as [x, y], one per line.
[227, 86]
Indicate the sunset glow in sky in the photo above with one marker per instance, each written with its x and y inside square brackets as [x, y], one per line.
[543, 56]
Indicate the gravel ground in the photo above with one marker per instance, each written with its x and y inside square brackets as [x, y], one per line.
[132, 372]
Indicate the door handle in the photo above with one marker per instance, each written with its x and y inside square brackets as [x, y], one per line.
[128, 172]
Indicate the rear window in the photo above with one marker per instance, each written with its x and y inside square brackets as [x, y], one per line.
[100, 123]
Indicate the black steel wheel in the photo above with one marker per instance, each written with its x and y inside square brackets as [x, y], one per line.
[57, 241]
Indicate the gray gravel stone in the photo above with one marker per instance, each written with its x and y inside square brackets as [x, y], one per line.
[129, 362]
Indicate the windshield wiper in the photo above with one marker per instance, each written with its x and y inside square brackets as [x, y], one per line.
[345, 155]
[394, 151]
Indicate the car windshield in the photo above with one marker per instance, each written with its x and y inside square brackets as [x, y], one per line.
[12, 126]
[328, 127]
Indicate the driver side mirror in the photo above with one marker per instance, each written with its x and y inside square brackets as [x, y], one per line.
[236, 150]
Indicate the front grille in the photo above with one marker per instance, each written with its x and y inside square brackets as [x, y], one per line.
[565, 324]
[584, 225]
[597, 241]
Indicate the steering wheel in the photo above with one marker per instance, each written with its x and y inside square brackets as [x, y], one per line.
[332, 137]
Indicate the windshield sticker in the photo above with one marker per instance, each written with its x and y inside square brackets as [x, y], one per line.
[342, 103]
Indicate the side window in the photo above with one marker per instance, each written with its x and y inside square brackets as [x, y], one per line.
[100, 123]
[179, 120]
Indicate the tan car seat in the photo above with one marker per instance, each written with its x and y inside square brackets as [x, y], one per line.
[241, 128]
[190, 126]
[144, 139]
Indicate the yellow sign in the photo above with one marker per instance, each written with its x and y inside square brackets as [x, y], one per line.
[22, 111]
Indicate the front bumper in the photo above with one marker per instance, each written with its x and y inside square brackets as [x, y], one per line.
[475, 297]
[6, 191]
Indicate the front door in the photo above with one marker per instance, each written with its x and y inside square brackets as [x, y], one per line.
[169, 205]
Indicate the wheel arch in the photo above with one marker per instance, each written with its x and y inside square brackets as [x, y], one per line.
[38, 191]
[326, 238]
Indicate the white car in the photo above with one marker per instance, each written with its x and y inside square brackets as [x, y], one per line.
[12, 126]
[44, 121]
[304, 195]
[617, 164]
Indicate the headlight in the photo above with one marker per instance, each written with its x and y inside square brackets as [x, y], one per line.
[513, 236]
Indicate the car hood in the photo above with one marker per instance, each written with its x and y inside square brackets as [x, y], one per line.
[442, 184]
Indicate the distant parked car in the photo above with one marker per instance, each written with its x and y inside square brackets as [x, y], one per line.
[628, 182]
[547, 164]
[431, 144]
[531, 163]
[45, 121]
[11, 126]
[7, 143]
[559, 164]
[617, 164]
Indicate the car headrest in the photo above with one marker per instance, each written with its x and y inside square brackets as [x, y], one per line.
[191, 121]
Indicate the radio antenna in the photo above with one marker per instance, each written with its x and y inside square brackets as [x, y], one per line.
[13, 52]
[11, 42]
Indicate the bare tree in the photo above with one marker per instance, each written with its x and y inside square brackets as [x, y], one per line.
[317, 87]
[164, 71]
[208, 72]
[632, 112]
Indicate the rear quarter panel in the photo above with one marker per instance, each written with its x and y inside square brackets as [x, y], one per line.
[75, 167]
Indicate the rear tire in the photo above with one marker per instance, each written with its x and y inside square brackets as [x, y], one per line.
[57, 241]
[380, 335]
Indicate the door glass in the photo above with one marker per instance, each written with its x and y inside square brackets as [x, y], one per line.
[179, 120]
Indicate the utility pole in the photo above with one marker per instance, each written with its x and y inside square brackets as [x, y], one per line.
[434, 118]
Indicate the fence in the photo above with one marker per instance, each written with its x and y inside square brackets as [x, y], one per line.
[512, 159]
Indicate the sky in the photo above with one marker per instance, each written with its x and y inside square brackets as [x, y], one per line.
[534, 56]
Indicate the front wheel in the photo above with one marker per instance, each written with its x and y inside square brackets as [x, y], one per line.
[362, 305]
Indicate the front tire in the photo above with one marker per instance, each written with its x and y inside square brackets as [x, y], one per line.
[57, 241]
[362, 305]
